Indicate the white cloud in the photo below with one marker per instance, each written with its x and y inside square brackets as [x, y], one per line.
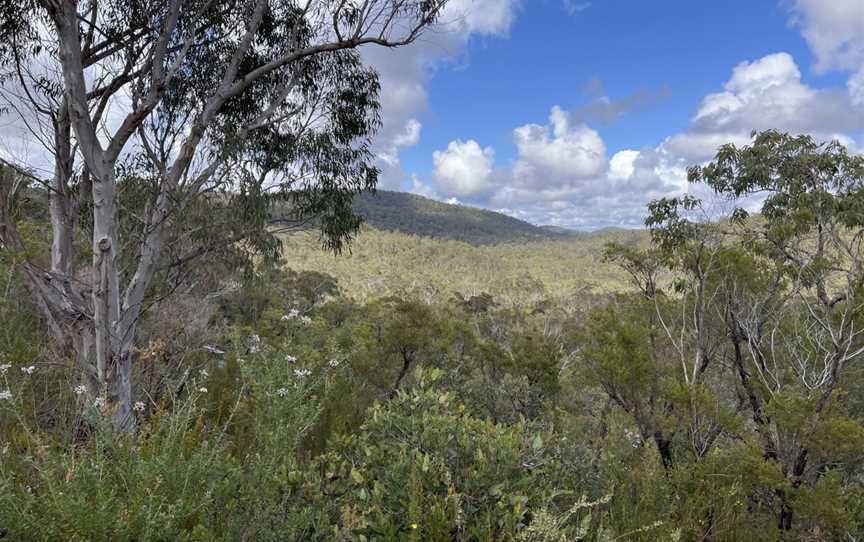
[491, 17]
[560, 152]
[464, 169]
[834, 30]
[388, 152]
[765, 93]
[856, 89]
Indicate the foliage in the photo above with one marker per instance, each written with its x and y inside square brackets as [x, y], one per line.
[717, 396]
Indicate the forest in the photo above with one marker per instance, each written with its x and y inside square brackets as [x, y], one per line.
[201, 339]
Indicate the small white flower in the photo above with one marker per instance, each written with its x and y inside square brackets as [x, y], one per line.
[138, 407]
[333, 363]
[291, 359]
[282, 392]
[29, 370]
[302, 373]
[305, 320]
[100, 402]
[204, 373]
[4, 368]
[5, 395]
[202, 389]
[80, 389]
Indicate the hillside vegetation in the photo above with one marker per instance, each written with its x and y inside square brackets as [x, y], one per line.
[413, 214]
[384, 262]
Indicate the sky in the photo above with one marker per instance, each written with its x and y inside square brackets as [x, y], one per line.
[578, 113]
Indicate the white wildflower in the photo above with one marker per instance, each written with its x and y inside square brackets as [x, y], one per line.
[302, 373]
[333, 363]
[138, 407]
[80, 389]
[29, 370]
[282, 392]
[204, 373]
[100, 402]
[202, 389]
[290, 359]
[305, 320]
[4, 368]
[5, 395]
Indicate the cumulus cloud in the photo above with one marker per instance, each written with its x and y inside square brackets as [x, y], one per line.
[464, 168]
[561, 152]
[562, 175]
[834, 30]
[765, 93]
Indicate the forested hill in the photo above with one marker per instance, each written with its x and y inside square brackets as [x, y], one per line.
[413, 214]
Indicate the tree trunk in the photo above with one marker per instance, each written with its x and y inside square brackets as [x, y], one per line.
[113, 346]
[59, 198]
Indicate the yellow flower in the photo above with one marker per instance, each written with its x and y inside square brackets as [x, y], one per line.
[413, 525]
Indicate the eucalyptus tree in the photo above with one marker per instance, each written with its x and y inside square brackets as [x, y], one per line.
[807, 329]
[191, 101]
[776, 300]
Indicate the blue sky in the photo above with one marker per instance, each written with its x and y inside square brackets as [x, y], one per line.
[639, 90]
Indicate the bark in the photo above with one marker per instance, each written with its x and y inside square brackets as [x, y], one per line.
[664, 448]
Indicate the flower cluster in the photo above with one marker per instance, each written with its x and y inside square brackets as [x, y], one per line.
[290, 359]
[282, 392]
[80, 389]
[292, 314]
[334, 362]
[28, 370]
[302, 373]
[634, 438]
[138, 406]
[5, 395]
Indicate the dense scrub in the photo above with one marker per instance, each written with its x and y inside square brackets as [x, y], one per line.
[717, 397]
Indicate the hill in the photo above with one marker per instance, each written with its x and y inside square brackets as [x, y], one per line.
[417, 245]
[417, 215]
